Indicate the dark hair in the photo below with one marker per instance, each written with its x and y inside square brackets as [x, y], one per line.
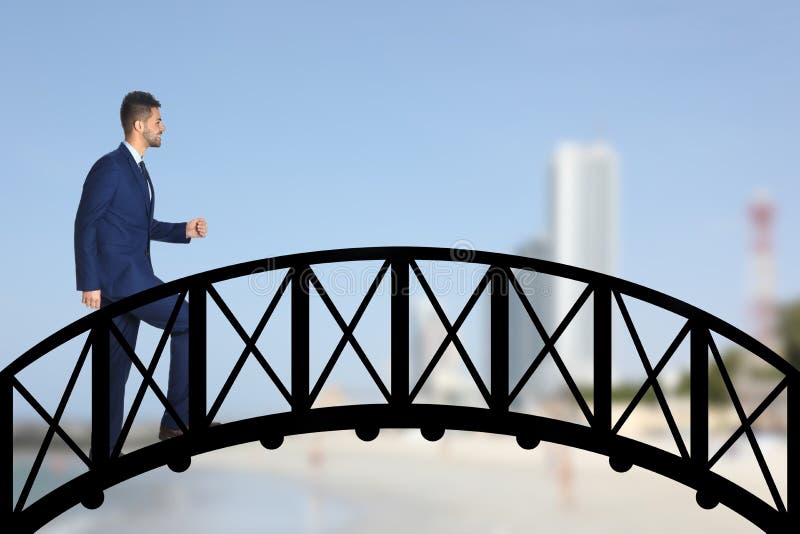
[136, 106]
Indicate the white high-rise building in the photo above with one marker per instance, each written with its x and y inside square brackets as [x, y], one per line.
[585, 233]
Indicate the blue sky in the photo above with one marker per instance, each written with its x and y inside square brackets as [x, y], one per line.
[312, 125]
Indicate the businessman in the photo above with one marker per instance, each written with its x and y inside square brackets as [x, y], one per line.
[113, 229]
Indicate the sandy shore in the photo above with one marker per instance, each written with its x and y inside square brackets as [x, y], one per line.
[478, 483]
[399, 483]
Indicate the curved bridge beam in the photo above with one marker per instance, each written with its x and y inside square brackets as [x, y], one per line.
[433, 420]
[692, 467]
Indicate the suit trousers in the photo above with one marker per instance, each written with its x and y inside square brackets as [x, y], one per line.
[155, 314]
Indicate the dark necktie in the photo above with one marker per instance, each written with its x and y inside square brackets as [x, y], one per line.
[149, 183]
[150, 201]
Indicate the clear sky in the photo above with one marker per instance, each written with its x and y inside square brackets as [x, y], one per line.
[302, 126]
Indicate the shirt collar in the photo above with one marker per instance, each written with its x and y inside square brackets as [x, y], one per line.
[136, 156]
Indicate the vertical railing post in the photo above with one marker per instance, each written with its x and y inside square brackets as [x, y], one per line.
[6, 449]
[399, 334]
[101, 377]
[602, 360]
[698, 369]
[499, 338]
[793, 450]
[300, 337]
[198, 358]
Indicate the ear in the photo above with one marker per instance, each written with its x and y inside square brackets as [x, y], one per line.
[138, 126]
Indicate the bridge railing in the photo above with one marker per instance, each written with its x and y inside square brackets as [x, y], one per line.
[692, 466]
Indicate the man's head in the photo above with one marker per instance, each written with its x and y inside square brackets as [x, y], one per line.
[141, 119]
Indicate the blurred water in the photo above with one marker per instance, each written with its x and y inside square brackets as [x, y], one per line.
[205, 501]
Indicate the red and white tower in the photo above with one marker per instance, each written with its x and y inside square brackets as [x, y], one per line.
[764, 312]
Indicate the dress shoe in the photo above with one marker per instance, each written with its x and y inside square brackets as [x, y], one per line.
[166, 433]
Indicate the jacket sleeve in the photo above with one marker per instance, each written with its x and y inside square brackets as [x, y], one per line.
[98, 191]
[168, 232]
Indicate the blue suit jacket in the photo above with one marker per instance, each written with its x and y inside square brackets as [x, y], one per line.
[114, 226]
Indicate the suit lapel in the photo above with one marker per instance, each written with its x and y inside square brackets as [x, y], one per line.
[136, 174]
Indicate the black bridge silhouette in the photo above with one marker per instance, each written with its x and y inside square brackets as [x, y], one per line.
[691, 467]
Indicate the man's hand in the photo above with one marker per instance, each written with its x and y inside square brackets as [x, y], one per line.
[196, 228]
[91, 299]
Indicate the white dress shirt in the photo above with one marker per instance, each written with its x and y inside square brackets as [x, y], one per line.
[138, 159]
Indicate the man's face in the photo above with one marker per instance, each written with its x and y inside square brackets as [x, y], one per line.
[153, 128]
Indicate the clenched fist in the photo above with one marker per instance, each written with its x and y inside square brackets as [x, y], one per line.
[91, 299]
[196, 228]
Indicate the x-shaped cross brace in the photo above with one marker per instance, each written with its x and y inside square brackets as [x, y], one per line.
[54, 427]
[250, 345]
[348, 334]
[451, 335]
[651, 377]
[550, 345]
[746, 425]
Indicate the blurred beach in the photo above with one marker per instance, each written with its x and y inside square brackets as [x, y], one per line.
[465, 483]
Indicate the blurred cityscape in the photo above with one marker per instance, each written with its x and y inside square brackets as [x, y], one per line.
[584, 231]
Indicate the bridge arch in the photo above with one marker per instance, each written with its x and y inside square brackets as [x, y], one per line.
[691, 467]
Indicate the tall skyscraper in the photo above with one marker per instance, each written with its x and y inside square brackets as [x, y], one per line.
[585, 233]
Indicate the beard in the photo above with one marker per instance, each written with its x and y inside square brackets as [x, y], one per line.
[153, 139]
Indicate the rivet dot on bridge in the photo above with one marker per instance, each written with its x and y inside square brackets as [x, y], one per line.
[706, 500]
[93, 500]
[179, 465]
[618, 464]
[432, 433]
[528, 441]
[367, 433]
[271, 442]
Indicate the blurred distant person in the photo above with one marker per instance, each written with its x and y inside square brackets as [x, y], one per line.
[113, 229]
[560, 460]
